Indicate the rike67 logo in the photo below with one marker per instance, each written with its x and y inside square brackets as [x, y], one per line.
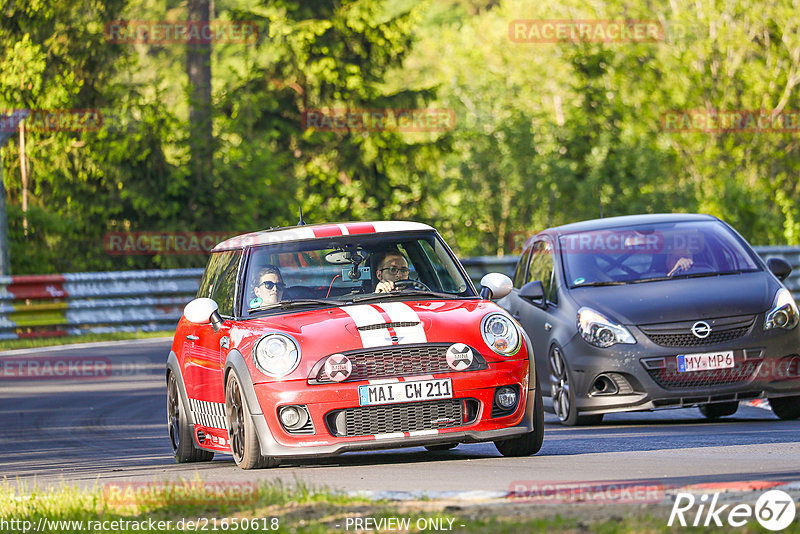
[774, 510]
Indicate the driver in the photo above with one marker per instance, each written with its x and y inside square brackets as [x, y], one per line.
[269, 288]
[392, 267]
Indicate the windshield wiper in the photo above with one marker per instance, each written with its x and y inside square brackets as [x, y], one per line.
[406, 293]
[288, 304]
[606, 283]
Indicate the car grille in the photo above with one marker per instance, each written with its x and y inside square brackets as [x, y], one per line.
[405, 417]
[398, 360]
[669, 378]
[680, 334]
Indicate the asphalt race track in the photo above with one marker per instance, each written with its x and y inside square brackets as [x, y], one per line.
[90, 430]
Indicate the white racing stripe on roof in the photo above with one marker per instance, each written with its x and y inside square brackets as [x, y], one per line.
[307, 232]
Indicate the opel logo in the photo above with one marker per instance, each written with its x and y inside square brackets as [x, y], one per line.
[701, 329]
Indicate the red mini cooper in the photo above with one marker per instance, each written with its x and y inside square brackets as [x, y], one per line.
[316, 340]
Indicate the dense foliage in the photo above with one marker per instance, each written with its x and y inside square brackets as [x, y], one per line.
[543, 133]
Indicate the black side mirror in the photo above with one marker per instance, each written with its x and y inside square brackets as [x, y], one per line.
[779, 267]
[216, 321]
[533, 292]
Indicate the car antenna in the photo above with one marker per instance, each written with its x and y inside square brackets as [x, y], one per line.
[600, 201]
[301, 222]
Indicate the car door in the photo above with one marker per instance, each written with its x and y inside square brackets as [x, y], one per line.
[537, 321]
[204, 347]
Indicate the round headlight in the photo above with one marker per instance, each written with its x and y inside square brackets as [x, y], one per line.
[500, 333]
[276, 355]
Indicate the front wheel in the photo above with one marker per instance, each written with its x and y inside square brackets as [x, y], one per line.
[786, 408]
[180, 431]
[244, 440]
[529, 443]
[563, 395]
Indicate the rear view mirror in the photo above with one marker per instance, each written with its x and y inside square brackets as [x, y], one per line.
[779, 267]
[495, 286]
[203, 311]
[533, 292]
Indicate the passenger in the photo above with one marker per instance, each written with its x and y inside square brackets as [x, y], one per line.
[269, 288]
[392, 267]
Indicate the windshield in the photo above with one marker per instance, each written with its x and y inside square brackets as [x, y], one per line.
[653, 252]
[348, 269]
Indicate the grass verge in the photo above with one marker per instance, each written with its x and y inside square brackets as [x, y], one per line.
[197, 506]
[31, 343]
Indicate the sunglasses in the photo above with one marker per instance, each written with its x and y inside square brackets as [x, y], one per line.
[271, 285]
[397, 270]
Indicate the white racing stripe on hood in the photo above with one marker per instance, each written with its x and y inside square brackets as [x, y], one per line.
[366, 315]
[400, 312]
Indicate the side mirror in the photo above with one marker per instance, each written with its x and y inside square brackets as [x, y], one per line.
[495, 286]
[779, 267]
[533, 292]
[203, 311]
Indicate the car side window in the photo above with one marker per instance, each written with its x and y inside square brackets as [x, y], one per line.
[522, 268]
[541, 268]
[209, 276]
[224, 289]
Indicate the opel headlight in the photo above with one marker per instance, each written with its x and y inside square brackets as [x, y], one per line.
[276, 355]
[783, 313]
[501, 334]
[601, 332]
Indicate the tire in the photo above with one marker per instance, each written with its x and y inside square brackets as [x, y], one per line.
[244, 439]
[720, 409]
[530, 443]
[445, 447]
[563, 395]
[787, 408]
[180, 431]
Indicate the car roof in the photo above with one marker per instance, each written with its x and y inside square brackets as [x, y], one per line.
[315, 231]
[627, 220]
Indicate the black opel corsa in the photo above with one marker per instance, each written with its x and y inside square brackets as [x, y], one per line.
[656, 311]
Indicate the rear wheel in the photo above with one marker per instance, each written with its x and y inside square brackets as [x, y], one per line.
[244, 440]
[180, 431]
[717, 410]
[529, 443]
[787, 408]
[563, 395]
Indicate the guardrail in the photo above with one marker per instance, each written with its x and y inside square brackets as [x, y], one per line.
[120, 301]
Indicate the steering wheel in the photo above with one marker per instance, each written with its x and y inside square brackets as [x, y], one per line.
[410, 284]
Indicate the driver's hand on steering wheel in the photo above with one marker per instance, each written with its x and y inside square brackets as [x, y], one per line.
[384, 287]
[683, 264]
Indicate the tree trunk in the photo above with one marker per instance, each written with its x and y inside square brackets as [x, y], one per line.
[198, 68]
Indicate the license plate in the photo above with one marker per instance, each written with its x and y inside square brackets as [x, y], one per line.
[405, 391]
[705, 361]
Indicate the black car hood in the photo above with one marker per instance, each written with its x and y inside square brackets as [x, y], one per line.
[681, 299]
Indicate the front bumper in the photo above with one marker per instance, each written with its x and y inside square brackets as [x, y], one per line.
[761, 371]
[323, 399]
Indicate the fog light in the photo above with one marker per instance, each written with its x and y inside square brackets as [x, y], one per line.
[293, 417]
[506, 397]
